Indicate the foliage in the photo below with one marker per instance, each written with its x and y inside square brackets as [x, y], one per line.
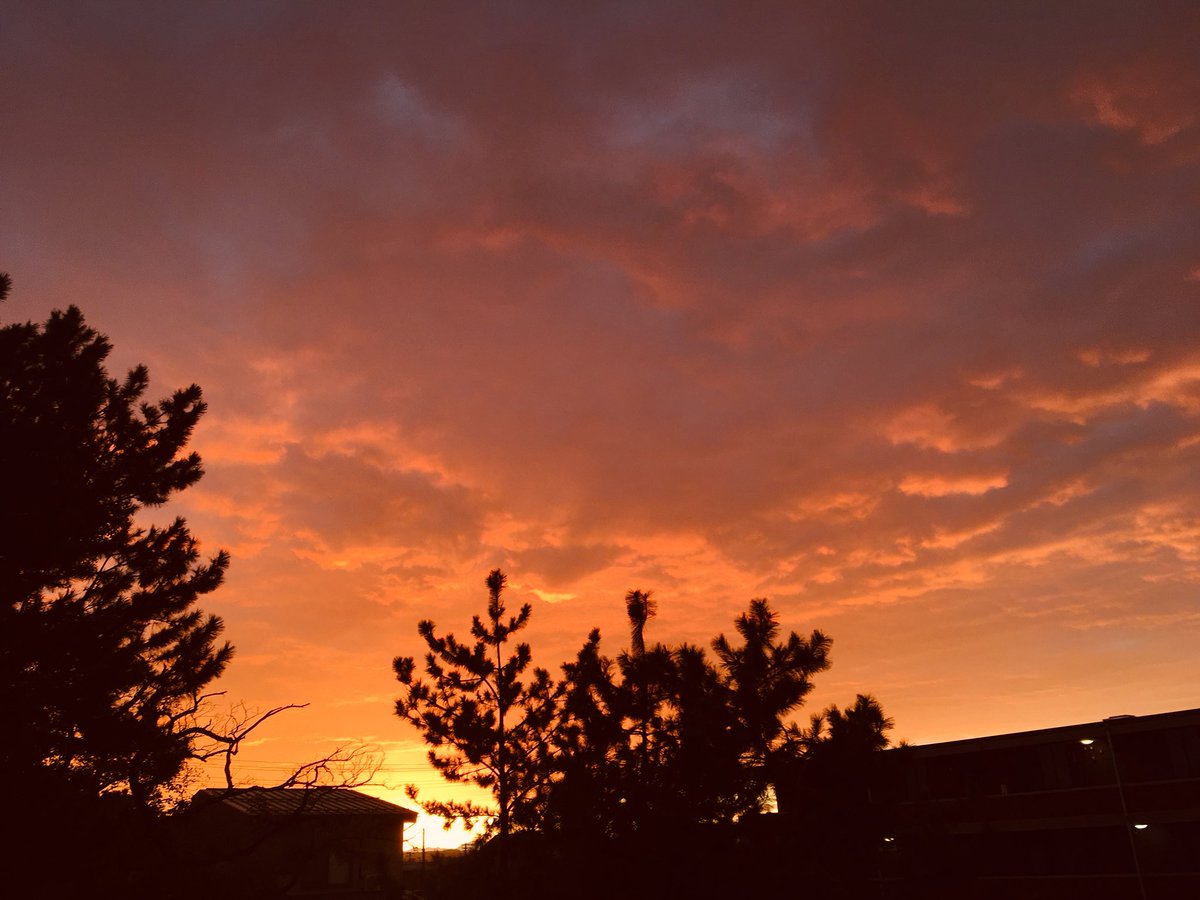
[646, 741]
[657, 740]
[103, 653]
[665, 736]
[768, 680]
[484, 723]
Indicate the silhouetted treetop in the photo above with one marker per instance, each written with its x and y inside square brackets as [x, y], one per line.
[485, 722]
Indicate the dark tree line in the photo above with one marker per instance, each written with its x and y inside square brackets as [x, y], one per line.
[641, 749]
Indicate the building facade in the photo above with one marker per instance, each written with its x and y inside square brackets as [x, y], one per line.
[1107, 809]
[298, 842]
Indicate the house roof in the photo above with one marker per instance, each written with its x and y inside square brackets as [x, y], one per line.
[318, 801]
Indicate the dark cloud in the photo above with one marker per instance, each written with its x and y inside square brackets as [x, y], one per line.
[563, 566]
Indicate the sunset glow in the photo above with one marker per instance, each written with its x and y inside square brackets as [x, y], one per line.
[890, 316]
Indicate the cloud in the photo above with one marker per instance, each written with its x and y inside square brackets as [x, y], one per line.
[562, 565]
[942, 486]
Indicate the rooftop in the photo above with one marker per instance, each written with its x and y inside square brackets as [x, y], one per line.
[319, 801]
[1114, 725]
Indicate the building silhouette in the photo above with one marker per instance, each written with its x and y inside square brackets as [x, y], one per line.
[311, 842]
[1101, 810]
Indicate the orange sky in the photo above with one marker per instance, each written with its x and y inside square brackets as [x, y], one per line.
[889, 315]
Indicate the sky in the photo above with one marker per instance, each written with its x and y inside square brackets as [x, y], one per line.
[889, 313]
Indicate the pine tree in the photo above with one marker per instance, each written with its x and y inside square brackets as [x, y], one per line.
[769, 679]
[484, 723]
[102, 649]
[104, 655]
[588, 800]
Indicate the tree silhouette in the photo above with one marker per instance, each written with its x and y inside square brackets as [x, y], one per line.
[641, 607]
[104, 654]
[484, 723]
[709, 782]
[651, 758]
[825, 783]
[860, 729]
[644, 707]
[768, 680]
[664, 736]
[585, 802]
